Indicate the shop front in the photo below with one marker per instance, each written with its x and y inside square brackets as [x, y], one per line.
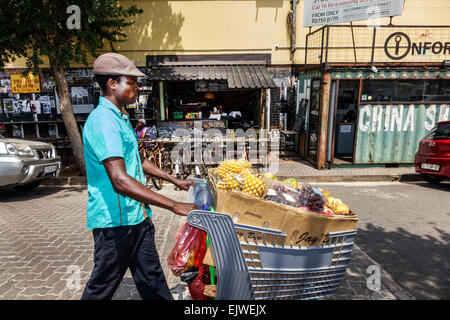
[210, 96]
[29, 106]
[380, 120]
[374, 113]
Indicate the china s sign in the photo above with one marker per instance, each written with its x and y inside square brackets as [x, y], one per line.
[399, 45]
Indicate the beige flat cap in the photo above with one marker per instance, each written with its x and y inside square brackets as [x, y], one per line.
[115, 64]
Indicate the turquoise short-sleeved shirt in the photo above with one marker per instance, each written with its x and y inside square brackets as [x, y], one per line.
[107, 133]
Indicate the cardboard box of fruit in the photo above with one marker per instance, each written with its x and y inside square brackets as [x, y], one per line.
[303, 226]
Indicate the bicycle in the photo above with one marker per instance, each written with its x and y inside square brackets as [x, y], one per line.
[158, 156]
[200, 166]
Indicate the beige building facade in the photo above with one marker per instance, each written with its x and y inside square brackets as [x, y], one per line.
[243, 33]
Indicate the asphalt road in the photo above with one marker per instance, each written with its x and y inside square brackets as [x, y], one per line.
[405, 227]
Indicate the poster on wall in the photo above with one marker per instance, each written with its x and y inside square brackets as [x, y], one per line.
[323, 12]
[53, 130]
[143, 101]
[48, 82]
[79, 77]
[35, 107]
[46, 104]
[79, 96]
[5, 83]
[24, 105]
[17, 131]
[21, 84]
[8, 105]
[82, 101]
[17, 107]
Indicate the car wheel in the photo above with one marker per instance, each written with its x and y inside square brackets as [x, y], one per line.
[28, 186]
[432, 178]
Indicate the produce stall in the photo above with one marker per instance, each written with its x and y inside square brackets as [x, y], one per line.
[235, 93]
[269, 239]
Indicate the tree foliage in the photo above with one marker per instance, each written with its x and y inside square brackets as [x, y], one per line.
[34, 29]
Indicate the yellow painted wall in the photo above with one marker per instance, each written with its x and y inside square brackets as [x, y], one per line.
[236, 26]
[212, 27]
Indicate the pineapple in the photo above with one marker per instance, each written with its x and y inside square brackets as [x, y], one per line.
[228, 166]
[230, 182]
[239, 175]
[252, 185]
[244, 163]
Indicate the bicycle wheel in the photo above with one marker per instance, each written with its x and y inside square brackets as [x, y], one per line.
[157, 182]
[187, 170]
[204, 171]
[166, 162]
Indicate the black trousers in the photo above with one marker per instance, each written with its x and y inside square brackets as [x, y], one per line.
[119, 248]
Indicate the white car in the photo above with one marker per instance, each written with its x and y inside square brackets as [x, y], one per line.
[24, 164]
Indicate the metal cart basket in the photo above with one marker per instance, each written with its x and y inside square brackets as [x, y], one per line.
[257, 265]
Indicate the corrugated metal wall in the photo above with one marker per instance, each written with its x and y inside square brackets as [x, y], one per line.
[391, 133]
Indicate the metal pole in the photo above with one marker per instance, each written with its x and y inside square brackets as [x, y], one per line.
[373, 45]
[161, 101]
[321, 47]
[306, 51]
[353, 37]
[326, 53]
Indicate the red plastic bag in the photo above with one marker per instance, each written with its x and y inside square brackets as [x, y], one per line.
[189, 250]
[197, 286]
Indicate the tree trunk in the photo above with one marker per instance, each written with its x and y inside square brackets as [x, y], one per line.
[65, 105]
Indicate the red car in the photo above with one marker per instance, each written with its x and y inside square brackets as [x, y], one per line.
[432, 160]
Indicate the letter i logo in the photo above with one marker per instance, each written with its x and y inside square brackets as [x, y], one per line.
[398, 45]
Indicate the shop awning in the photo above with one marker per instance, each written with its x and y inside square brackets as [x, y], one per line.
[238, 76]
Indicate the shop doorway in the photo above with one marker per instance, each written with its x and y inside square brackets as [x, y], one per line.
[345, 115]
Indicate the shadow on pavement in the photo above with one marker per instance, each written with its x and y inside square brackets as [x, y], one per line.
[443, 186]
[421, 265]
[12, 195]
[127, 291]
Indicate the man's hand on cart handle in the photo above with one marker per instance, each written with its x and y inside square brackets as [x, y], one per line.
[184, 184]
[183, 209]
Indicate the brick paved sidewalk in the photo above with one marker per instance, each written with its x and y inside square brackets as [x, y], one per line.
[44, 242]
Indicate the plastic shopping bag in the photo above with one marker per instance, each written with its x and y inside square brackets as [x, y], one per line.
[197, 286]
[189, 249]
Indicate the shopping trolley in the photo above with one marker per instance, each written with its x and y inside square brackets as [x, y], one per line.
[254, 263]
[259, 266]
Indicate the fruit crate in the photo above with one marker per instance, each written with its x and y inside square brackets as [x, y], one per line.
[261, 267]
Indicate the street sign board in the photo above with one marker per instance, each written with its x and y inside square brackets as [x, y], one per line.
[323, 12]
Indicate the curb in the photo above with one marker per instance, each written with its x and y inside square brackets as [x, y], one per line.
[410, 177]
[65, 181]
[386, 279]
